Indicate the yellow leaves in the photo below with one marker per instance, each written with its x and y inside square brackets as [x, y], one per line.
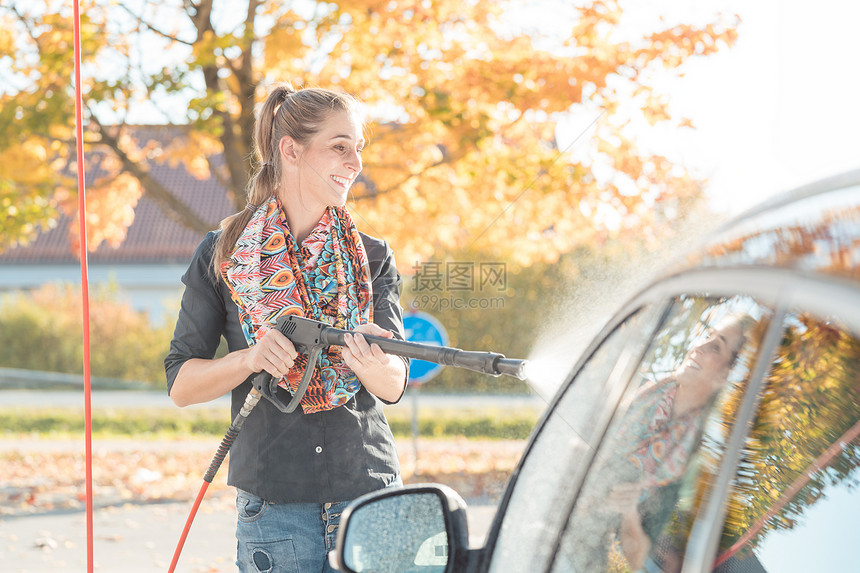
[193, 152]
[656, 110]
[471, 155]
[27, 164]
[673, 46]
[7, 38]
[204, 49]
[110, 204]
[284, 47]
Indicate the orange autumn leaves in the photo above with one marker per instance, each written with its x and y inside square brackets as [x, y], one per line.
[464, 96]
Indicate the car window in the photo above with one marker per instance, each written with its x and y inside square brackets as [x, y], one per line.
[536, 509]
[795, 502]
[655, 464]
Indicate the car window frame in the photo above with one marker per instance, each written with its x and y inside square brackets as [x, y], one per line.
[663, 293]
[795, 290]
[784, 290]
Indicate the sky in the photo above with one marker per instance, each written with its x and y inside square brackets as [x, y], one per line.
[776, 110]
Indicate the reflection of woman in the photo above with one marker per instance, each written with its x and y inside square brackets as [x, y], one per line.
[295, 251]
[664, 426]
[650, 450]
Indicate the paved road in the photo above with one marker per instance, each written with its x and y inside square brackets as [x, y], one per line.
[140, 539]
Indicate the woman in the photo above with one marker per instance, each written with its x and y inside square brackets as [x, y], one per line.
[295, 250]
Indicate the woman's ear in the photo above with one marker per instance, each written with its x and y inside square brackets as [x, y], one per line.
[289, 149]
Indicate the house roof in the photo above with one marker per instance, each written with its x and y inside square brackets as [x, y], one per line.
[153, 237]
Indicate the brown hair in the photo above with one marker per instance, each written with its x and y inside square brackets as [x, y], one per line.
[298, 114]
[746, 323]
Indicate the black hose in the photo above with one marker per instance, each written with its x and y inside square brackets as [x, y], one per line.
[226, 442]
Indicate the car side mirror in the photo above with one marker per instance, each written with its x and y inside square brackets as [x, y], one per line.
[417, 528]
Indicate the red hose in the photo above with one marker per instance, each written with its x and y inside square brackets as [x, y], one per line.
[85, 297]
[188, 522]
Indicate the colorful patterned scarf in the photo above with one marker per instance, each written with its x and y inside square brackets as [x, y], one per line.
[662, 445]
[327, 278]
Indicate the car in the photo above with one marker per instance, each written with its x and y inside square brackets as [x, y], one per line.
[712, 425]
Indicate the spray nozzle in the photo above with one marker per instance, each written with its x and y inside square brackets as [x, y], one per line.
[308, 333]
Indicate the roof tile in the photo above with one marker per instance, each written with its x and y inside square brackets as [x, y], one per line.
[153, 237]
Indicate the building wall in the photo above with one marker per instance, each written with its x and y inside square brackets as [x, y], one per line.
[155, 289]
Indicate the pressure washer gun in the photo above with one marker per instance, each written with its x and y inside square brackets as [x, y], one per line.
[313, 336]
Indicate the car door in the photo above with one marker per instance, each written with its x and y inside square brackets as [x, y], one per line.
[652, 459]
[771, 484]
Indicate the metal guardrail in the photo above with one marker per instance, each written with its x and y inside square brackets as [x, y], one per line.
[21, 379]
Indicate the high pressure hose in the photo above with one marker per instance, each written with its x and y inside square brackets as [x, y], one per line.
[250, 402]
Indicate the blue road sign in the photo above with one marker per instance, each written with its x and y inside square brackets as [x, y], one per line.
[422, 327]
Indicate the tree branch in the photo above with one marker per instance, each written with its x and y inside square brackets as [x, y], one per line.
[234, 149]
[152, 28]
[172, 207]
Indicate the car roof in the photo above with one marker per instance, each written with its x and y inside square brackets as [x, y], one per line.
[814, 229]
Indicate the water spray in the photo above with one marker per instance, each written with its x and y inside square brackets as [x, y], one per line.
[313, 336]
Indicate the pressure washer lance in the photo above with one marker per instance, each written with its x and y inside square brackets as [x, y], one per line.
[312, 336]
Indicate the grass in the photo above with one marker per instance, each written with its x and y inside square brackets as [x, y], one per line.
[203, 422]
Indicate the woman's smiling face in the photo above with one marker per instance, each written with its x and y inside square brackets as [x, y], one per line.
[710, 359]
[329, 164]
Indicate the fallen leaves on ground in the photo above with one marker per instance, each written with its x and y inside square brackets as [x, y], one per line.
[474, 468]
[47, 475]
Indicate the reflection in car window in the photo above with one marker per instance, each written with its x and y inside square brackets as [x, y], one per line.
[537, 508]
[809, 234]
[665, 440]
[794, 502]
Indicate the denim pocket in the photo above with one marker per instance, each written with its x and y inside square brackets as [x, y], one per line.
[250, 507]
[268, 557]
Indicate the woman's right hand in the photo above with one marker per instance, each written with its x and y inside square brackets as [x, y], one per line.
[273, 353]
[201, 380]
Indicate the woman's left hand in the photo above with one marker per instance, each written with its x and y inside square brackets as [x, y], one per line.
[624, 498]
[380, 373]
[359, 355]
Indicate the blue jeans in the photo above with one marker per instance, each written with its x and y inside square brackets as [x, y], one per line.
[286, 537]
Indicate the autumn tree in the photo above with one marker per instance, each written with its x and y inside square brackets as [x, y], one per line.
[464, 97]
